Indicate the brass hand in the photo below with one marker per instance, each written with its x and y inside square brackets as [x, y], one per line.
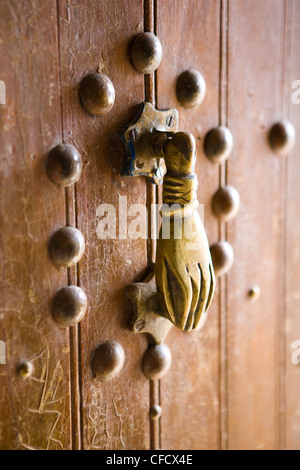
[183, 269]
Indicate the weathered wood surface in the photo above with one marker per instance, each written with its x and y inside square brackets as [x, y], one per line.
[96, 36]
[35, 413]
[231, 385]
[255, 102]
[292, 321]
[189, 34]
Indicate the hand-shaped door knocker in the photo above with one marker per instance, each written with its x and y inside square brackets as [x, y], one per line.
[180, 287]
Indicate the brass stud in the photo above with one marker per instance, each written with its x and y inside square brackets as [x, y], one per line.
[155, 412]
[254, 292]
[69, 305]
[97, 94]
[157, 361]
[63, 165]
[25, 370]
[190, 88]
[226, 203]
[282, 137]
[218, 144]
[222, 257]
[146, 53]
[108, 360]
[66, 247]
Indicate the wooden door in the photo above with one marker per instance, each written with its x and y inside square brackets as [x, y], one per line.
[234, 384]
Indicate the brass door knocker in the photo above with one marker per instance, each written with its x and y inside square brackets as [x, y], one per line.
[181, 285]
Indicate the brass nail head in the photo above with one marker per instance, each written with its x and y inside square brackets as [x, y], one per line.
[97, 94]
[69, 306]
[25, 370]
[66, 247]
[222, 257]
[282, 137]
[254, 292]
[108, 360]
[190, 88]
[63, 165]
[146, 53]
[218, 144]
[155, 412]
[226, 203]
[157, 361]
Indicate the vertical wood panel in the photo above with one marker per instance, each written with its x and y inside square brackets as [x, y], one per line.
[189, 32]
[95, 35]
[256, 48]
[35, 413]
[293, 251]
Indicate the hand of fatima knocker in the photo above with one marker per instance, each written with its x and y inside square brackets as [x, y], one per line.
[183, 269]
[180, 288]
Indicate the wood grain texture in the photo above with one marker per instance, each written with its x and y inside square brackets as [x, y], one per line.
[35, 413]
[292, 327]
[95, 35]
[255, 84]
[189, 32]
[232, 384]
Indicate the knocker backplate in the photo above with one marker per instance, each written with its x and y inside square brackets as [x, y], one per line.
[144, 156]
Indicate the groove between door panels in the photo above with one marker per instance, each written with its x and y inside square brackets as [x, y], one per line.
[223, 281]
[150, 96]
[72, 276]
[283, 293]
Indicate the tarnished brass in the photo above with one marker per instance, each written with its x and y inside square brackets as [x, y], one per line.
[144, 141]
[190, 88]
[155, 412]
[63, 165]
[97, 94]
[148, 316]
[184, 282]
[25, 370]
[222, 256]
[183, 269]
[157, 361]
[146, 52]
[108, 360]
[218, 144]
[66, 247]
[254, 292]
[69, 306]
[226, 203]
[282, 137]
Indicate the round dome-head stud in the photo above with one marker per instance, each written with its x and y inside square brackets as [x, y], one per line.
[155, 412]
[25, 370]
[190, 88]
[226, 203]
[66, 247]
[222, 257]
[97, 94]
[63, 165]
[108, 360]
[157, 361]
[146, 53]
[218, 144]
[282, 137]
[69, 306]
